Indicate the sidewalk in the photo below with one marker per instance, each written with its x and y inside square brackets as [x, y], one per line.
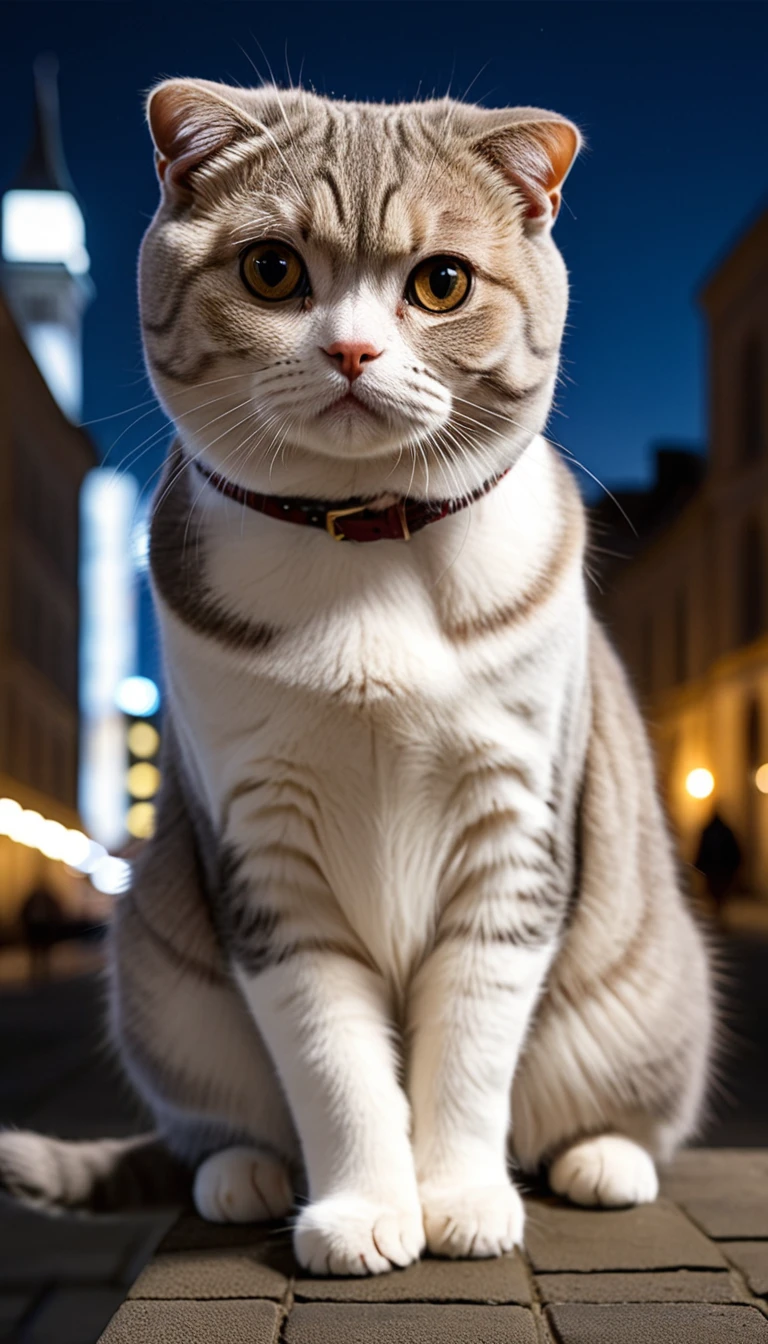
[690, 1269]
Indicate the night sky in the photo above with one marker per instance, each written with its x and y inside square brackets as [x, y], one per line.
[673, 99]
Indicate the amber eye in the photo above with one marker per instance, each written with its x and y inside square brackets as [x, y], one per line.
[439, 284]
[273, 271]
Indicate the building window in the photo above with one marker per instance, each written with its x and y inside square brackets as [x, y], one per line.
[751, 410]
[752, 583]
[681, 639]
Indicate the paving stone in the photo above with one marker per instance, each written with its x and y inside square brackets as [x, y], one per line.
[653, 1236]
[714, 1171]
[675, 1285]
[380, 1323]
[725, 1191]
[741, 1213]
[647, 1323]
[751, 1257]
[194, 1323]
[236, 1272]
[502, 1280]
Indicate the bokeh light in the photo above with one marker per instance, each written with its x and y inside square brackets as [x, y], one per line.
[143, 780]
[138, 696]
[143, 739]
[112, 876]
[140, 820]
[761, 778]
[700, 783]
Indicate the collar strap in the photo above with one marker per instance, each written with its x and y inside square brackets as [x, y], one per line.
[350, 520]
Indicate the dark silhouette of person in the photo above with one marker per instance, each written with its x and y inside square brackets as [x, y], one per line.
[718, 858]
[41, 920]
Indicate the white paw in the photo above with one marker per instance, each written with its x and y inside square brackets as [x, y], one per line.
[477, 1221]
[348, 1234]
[242, 1185]
[609, 1170]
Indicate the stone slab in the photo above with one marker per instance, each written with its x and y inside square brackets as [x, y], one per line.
[222, 1273]
[652, 1236]
[673, 1285]
[751, 1257]
[380, 1323]
[740, 1213]
[714, 1171]
[488, 1281]
[646, 1323]
[194, 1323]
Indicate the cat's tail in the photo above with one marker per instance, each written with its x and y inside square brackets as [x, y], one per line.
[103, 1175]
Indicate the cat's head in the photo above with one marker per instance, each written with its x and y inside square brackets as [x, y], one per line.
[340, 298]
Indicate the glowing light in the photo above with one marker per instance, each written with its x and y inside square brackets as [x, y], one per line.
[107, 647]
[52, 840]
[111, 876]
[75, 849]
[137, 696]
[44, 226]
[10, 811]
[59, 360]
[143, 780]
[143, 739]
[29, 829]
[700, 783]
[761, 778]
[92, 858]
[140, 820]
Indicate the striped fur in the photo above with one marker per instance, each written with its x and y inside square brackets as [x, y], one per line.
[411, 906]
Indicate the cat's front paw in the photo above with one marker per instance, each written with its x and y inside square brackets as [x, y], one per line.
[242, 1185]
[476, 1221]
[608, 1170]
[348, 1234]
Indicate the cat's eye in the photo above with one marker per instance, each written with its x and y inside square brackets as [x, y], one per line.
[439, 284]
[273, 271]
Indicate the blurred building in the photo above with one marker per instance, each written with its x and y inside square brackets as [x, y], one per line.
[44, 458]
[687, 597]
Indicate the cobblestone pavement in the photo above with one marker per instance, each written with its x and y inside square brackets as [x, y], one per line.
[691, 1268]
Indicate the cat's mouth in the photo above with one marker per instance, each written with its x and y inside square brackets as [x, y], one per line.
[348, 404]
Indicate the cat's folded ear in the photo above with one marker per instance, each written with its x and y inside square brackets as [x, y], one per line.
[191, 120]
[534, 150]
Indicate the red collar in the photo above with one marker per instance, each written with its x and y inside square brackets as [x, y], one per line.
[350, 520]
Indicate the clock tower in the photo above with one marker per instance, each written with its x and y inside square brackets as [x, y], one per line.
[44, 261]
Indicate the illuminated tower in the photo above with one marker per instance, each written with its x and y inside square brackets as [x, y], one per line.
[45, 264]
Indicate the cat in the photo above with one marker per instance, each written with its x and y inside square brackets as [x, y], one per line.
[411, 911]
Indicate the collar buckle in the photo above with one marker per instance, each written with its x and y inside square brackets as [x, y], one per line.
[333, 514]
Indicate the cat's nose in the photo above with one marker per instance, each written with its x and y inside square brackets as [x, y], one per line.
[351, 357]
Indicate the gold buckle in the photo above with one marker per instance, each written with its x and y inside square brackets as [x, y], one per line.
[333, 514]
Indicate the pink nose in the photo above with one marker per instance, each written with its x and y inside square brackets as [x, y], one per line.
[351, 357]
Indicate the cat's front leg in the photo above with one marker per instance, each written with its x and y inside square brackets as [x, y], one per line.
[471, 1006]
[323, 1011]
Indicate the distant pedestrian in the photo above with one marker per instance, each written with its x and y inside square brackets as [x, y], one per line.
[41, 919]
[718, 859]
